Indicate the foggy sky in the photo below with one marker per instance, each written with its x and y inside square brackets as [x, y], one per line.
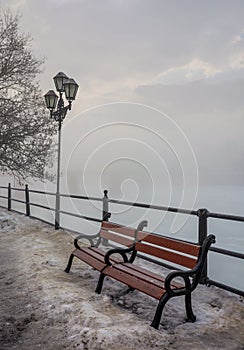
[183, 58]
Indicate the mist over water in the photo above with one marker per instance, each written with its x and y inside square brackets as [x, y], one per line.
[139, 154]
[178, 142]
[228, 200]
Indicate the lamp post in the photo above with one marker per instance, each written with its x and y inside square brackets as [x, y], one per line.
[58, 112]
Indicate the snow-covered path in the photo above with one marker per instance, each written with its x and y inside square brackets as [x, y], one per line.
[42, 307]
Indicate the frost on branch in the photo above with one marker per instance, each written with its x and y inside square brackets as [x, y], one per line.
[26, 131]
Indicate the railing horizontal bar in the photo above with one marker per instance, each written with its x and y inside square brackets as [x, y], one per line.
[157, 207]
[226, 216]
[139, 205]
[71, 214]
[80, 216]
[70, 230]
[18, 211]
[42, 206]
[17, 200]
[42, 220]
[224, 286]
[227, 252]
[18, 189]
[81, 197]
[42, 192]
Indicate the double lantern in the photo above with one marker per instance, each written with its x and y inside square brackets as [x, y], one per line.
[65, 85]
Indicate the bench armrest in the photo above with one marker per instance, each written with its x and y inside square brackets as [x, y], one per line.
[123, 251]
[140, 227]
[195, 273]
[89, 238]
[187, 288]
[120, 251]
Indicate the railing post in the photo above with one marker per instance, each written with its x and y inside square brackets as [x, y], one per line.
[57, 214]
[27, 201]
[106, 215]
[9, 196]
[202, 234]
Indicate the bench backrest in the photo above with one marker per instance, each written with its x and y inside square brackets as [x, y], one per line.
[169, 249]
[119, 234]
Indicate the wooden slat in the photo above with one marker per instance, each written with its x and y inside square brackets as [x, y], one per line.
[116, 238]
[93, 260]
[99, 254]
[142, 275]
[150, 274]
[90, 250]
[184, 247]
[134, 282]
[166, 255]
[94, 257]
[145, 275]
[127, 231]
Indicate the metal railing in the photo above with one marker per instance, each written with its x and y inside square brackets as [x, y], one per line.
[202, 214]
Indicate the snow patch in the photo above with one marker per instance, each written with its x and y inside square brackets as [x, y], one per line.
[41, 306]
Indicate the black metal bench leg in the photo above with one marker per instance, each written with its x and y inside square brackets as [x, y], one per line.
[69, 263]
[158, 313]
[100, 284]
[190, 315]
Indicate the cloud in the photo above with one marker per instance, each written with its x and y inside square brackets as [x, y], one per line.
[183, 57]
[194, 70]
[237, 60]
[238, 38]
[110, 44]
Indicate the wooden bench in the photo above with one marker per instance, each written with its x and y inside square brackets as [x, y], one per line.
[190, 257]
[94, 255]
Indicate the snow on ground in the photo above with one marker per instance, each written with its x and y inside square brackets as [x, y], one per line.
[42, 307]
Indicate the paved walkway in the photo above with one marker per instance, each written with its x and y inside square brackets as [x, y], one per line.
[41, 307]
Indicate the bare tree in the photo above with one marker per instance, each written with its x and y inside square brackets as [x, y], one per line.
[26, 131]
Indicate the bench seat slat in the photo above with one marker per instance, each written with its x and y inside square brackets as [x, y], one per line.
[93, 260]
[149, 274]
[170, 243]
[143, 275]
[139, 274]
[135, 282]
[93, 257]
[166, 255]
